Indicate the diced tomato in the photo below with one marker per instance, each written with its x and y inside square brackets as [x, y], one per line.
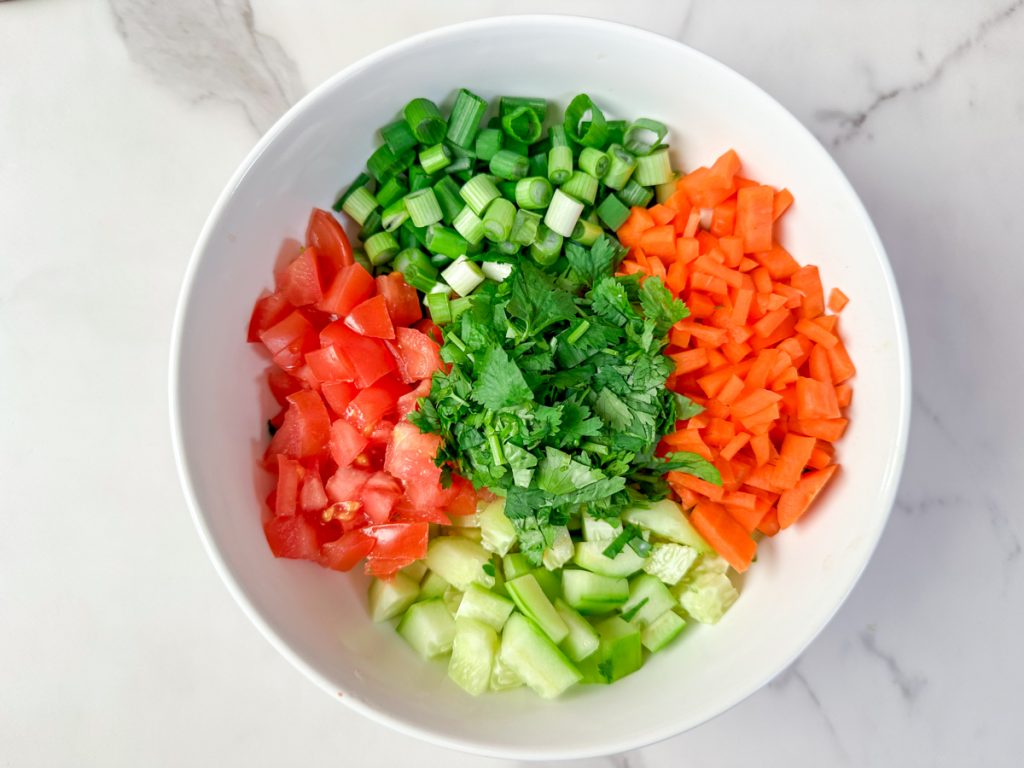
[293, 537]
[312, 422]
[312, 498]
[327, 364]
[346, 483]
[277, 420]
[381, 434]
[421, 355]
[369, 357]
[326, 235]
[270, 309]
[289, 339]
[288, 477]
[338, 395]
[405, 512]
[301, 282]
[429, 327]
[410, 458]
[371, 318]
[282, 384]
[393, 386]
[347, 442]
[403, 303]
[350, 287]
[464, 499]
[397, 545]
[379, 496]
[344, 553]
[409, 402]
[369, 407]
[284, 442]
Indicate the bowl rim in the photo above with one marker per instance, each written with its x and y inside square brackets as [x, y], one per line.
[434, 736]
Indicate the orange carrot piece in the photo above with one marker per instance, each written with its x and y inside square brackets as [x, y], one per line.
[727, 537]
[770, 322]
[754, 402]
[842, 365]
[808, 281]
[829, 430]
[630, 267]
[656, 268]
[687, 249]
[735, 351]
[761, 445]
[762, 280]
[709, 266]
[769, 524]
[837, 300]
[691, 225]
[744, 509]
[708, 242]
[659, 241]
[711, 491]
[816, 333]
[638, 222]
[719, 432]
[780, 204]
[732, 248]
[734, 446]
[754, 218]
[793, 457]
[700, 281]
[757, 377]
[706, 188]
[661, 214]
[829, 322]
[689, 440]
[724, 169]
[700, 305]
[782, 332]
[676, 277]
[844, 394]
[816, 400]
[795, 501]
[716, 336]
[690, 360]
[713, 383]
[817, 364]
[730, 390]
[819, 459]
[775, 301]
[723, 218]
[785, 378]
[778, 261]
[762, 420]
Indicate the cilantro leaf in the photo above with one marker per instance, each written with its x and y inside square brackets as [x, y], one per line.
[660, 306]
[687, 408]
[691, 464]
[559, 475]
[609, 300]
[577, 422]
[612, 410]
[499, 382]
[536, 301]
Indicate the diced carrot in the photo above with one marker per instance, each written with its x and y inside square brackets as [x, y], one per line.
[630, 267]
[724, 169]
[640, 258]
[762, 420]
[816, 333]
[793, 457]
[638, 222]
[732, 248]
[785, 378]
[659, 241]
[816, 400]
[723, 218]
[700, 305]
[755, 401]
[711, 491]
[778, 261]
[691, 225]
[844, 394]
[741, 334]
[744, 509]
[783, 331]
[676, 277]
[795, 501]
[761, 478]
[690, 360]
[842, 365]
[761, 445]
[837, 300]
[705, 188]
[819, 459]
[825, 429]
[709, 266]
[661, 214]
[656, 268]
[688, 497]
[713, 383]
[689, 440]
[817, 364]
[742, 182]
[808, 282]
[730, 390]
[771, 321]
[783, 199]
[798, 348]
[734, 446]
[762, 280]
[757, 377]
[754, 218]
[700, 281]
[829, 322]
[699, 421]
[716, 336]
[735, 351]
[775, 301]
[706, 240]
[769, 524]
[719, 432]
[727, 537]
[687, 249]
[747, 265]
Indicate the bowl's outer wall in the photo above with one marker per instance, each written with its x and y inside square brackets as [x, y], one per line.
[317, 618]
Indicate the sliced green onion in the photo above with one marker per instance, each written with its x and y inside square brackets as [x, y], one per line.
[654, 168]
[582, 186]
[559, 164]
[508, 165]
[360, 204]
[441, 260]
[435, 158]
[546, 247]
[475, 248]
[595, 133]
[643, 135]
[496, 270]
[558, 137]
[394, 216]
[488, 142]
[478, 193]
[664, 191]
[444, 241]
[563, 213]
[459, 164]
[469, 225]
[464, 121]
[513, 144]
[508, 190]
[612, 212]
[616, 132]
[447, 193]
[381, 248]
[360, 258]
[522, 124]
[586, 232]
[634, 195]
[425, 119]
[524, 228]
[539, 164]
[362, 180]
[498, 220]
[394, 189]
[423, 207]
[413, 235]
[508, 248]
[419, 179]
[620, 168]
[459, 306]
[509, 104]
[371, 226]
[439, 307]
[533, 192]
[383, 163]
[463, 276]
[398, 136]
[415, 265]
[594, 161]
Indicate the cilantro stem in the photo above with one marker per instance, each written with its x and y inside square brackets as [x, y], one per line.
[599, 448]
[497, 454]
[578, 332]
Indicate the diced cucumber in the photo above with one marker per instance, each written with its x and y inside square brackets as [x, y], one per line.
[535, 605]
[620, 652]
[550, 582]
[592, 593]
[707, 597]
[670, 562]
[503, 676]
[428, 627]
[515, 565]
[459, 561]
[665, 518]
[390, 598]
[473, 534]
[600, 530]
[473, 650]
[582, 639]
[536, 659]
[499, 535]
[662, 631]
[464, 521]
[432, 586]
[560, 551]
[648, 600]
[499, 578]
[415, 570]
[590, 555]
[452, 599]
[483, 605]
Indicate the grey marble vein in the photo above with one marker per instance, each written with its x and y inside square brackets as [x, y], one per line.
[210, 49]
[794, 673]
[909, 686]
[851, 122]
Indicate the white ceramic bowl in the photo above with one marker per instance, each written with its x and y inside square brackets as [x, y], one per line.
[317, 618]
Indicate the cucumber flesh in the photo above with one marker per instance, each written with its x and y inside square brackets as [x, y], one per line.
[515, 565]
[670, 562]
[560, 551]
[484, 606]
[590, 555]
[707, 597]
[665, 518]
[416, 571]
[662, 631]
[499, 535]
[503, 676]
[529, 598]
[473, 650]
[582, 639]
[620, 652]
[432, 586]
[452, 599]
[390, 598]
[550, 582]
[459, 561]
[591, 593]
[537, 660]
[600, 530]
[428, 628]
[648, 600]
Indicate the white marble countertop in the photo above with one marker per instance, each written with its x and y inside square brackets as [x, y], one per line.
[119, 123]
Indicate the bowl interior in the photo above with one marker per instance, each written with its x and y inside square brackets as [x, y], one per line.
[318, 618]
